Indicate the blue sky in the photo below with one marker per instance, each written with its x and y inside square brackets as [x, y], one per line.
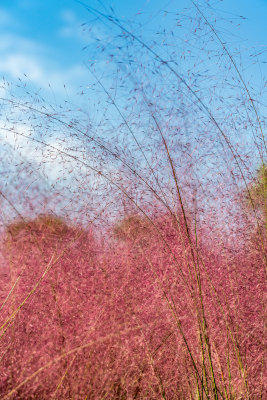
[44, 39]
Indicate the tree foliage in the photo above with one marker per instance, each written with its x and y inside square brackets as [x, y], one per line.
[256, 196]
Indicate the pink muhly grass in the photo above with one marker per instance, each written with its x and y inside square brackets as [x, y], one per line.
[154, 304]
[132, 312]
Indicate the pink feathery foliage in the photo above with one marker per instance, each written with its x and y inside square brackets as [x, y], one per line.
[223, 288]
[52, 319]
[125, 319]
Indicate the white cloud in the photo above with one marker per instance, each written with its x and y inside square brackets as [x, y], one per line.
[13, 42]
[13, 136]
[20, 57]
[72, 26]
[17, 137]
[3, 89]
[17, 65]
[76, 29]
[54, 160]
[68, 16]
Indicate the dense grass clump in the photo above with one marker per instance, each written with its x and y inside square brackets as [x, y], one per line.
[134, 318]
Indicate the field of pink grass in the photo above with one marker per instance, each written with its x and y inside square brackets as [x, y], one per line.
[136, 315]
[159, 291]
